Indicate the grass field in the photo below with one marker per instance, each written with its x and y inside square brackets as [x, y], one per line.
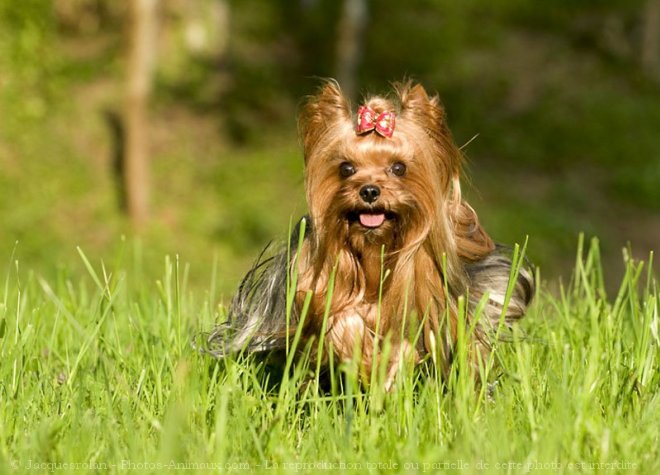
[96, 365]
[98, 375]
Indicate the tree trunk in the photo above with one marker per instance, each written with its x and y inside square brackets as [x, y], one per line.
[206, 28]
[141, 57]
[350, 44]
[650, 44]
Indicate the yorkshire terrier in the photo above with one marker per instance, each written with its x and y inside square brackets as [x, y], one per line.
[389, 246]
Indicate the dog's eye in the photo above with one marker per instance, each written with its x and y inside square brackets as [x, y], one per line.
[346, 169]
[399, 169]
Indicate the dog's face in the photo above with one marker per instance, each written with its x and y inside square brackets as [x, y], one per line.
[372, 190]
[373, 198]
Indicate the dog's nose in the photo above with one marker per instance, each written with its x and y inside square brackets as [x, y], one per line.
[369, 193]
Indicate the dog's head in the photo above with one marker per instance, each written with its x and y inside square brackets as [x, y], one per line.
[383, 176]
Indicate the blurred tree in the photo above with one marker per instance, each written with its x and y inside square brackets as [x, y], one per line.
[142, 48]
[207, 28]
[350, 44]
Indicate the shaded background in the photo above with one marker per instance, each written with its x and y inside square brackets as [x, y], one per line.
[563, 95]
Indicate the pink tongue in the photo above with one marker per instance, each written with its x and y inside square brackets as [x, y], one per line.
[372, 220]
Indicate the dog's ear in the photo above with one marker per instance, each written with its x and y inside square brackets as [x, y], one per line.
[428, 113]
[322, 112]
[418, 106]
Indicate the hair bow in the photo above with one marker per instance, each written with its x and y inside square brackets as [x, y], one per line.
[368, 120]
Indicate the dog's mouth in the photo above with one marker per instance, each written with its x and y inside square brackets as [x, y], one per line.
[370, 218]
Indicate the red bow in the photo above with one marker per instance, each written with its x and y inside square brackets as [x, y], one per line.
[367, 120]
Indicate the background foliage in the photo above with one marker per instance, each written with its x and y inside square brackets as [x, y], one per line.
[565, 110]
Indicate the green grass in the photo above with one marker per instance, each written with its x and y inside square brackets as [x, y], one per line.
[100, 372]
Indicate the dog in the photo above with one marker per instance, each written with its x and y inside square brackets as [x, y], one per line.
[387, 252]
